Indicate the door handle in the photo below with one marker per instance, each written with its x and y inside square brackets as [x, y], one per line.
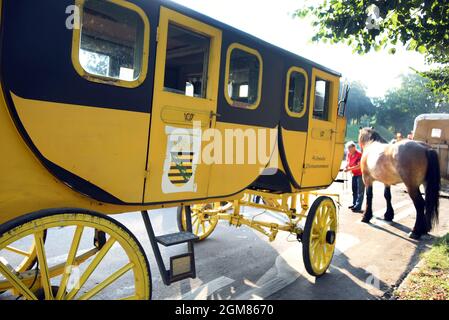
[214, 114]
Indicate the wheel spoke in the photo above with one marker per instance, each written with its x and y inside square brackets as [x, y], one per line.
[328, 252]
[317, 255]
[91, 268]
[314, 247]
[43, 266]
[18, 251]
[197, 229]
[321, 261]
[15, 281]
[329, 224]
[324, 216]
[203, 224]
[113, 277]
[69, 263]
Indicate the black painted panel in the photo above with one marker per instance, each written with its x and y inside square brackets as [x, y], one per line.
[36, 59]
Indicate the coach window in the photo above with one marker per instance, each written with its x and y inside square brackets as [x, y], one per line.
[243, 77]
[187, 60]
[322, 99]
[112, 45]
[296, 94]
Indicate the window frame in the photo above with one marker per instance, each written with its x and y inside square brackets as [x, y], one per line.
[76, 46]
[207, 74]
[306, 92]
[228, 66]
[328, 94]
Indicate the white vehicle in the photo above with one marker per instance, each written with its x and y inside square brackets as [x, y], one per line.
[434, 130]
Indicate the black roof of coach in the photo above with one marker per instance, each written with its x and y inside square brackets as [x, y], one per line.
[199, 16]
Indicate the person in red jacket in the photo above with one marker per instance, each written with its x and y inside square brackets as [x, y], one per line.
[358, 187]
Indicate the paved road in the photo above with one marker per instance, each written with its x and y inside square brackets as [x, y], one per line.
[242, 264]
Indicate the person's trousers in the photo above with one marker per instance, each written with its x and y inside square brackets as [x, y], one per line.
[358, 192]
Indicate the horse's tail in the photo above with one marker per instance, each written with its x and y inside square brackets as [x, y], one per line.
[433, 185]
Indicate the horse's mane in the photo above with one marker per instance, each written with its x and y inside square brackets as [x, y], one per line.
[377, 137]
[370, 135]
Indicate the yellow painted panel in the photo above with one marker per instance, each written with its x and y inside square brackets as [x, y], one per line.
[103, 146]
[319, 158]
[179, 116]
[26, 186]
[232, 174]
[174, 116]
[339, 146]
[295, 148]
[322, 134]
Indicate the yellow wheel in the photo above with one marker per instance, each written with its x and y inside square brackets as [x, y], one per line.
[28, 253]
[319, 236]
[70, 266]
[204, 219]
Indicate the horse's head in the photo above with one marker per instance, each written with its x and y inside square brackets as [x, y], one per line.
[368, 135]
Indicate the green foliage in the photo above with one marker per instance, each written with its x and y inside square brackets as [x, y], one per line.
[419, 25]
[359, 104]
[352, 132]
[396, 111]
[438, 82]
[400, 106]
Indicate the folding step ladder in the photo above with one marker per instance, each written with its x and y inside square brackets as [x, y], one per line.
[181, 266]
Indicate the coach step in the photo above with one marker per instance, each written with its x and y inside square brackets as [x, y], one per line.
[174, 239]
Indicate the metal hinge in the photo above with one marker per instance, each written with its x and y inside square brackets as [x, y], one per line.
[157, 34]
[147, 173]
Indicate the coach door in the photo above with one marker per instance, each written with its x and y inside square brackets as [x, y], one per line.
[184, 106]
[322, 128]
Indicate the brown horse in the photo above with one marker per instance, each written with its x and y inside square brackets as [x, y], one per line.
[411, 162]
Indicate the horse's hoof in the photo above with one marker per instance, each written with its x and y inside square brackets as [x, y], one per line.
[366, 219]
[415, 236]
[389, 215]
[426, 236]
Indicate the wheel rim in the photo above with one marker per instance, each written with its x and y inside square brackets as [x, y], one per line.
[78, 276]
[203, 221]
[324, 228]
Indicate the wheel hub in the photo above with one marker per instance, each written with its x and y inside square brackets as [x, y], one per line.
[330, 237]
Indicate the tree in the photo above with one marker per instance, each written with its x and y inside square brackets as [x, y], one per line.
[420, 25]
[400, 106]
[359, 104]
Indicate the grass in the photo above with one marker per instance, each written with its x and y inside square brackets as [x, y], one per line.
[431, 281]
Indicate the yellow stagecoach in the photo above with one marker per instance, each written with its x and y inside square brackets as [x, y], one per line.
[118, 106]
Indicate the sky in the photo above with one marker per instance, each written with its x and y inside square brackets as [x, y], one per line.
[271, 20]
